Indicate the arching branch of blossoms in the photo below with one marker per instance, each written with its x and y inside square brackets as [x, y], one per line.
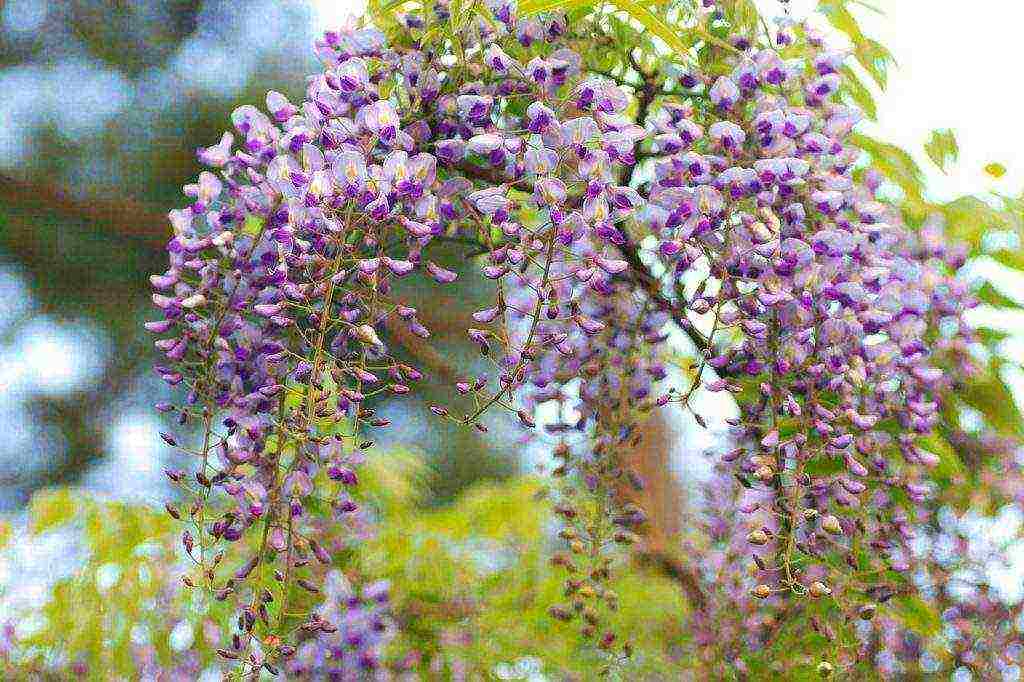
[831, 320]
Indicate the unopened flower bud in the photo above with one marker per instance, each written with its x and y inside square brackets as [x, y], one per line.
[757, 537]
[831, 525]
[819, 589]
[368, 335]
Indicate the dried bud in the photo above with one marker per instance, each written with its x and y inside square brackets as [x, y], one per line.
[757, 537]
[368, 335]
[831, 524]
[762, 591]
[559, 613]
[819, 589]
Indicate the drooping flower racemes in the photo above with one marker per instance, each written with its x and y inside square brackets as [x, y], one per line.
[608, 218]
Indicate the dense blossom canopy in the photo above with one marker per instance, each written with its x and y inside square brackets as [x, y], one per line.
[614, 215]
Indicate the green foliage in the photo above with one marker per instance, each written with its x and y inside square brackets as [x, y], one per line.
[478, 569]
[874, 57]
[477, 573]
[996, 170]
[94, 616]
[942, 148]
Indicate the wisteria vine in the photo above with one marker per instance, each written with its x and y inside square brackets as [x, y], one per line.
[610, 213]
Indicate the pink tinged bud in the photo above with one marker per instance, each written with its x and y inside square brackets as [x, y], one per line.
[927, 458]
[754, 328]
[277, 540]
[770, 440]
[855, 467]
[494, 271]
[165, 281]
[588, 326]
[441, 274]
[267, 309]
[853, 487]
[418, 329]
[368, 335]
[486, 315]
[159, 327]
[218, 154]
[416, 229]
[485, 143]
[916, 491]
[842, 442]
[322, 555]
[927, 375]
[611, 266]
[163, 302]
[399, 267]
[193, 301]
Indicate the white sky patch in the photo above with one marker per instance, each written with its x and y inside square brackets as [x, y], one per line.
[332, 14]
[955, 68]
[52, 357]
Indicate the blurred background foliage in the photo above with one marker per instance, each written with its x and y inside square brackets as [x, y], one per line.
[104, 104]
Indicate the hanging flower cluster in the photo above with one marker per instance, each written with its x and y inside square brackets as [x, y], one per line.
[831, 311]
[607, 213]
[353, 627]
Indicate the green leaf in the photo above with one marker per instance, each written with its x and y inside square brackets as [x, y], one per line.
[942, 148]
[668, 33]
[990, 395]
[969, 218]
[1011, 258]
[949, 462]
[894, 163]
[529, 7]
[872, 55]
[824, 466]
[992, 296]
[876, 59]
[917, 615]
[859, 93]
[996, 170]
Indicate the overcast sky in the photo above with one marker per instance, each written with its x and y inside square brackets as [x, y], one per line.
[955, 70]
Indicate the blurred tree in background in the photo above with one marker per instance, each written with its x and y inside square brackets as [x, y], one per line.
[106, 103]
